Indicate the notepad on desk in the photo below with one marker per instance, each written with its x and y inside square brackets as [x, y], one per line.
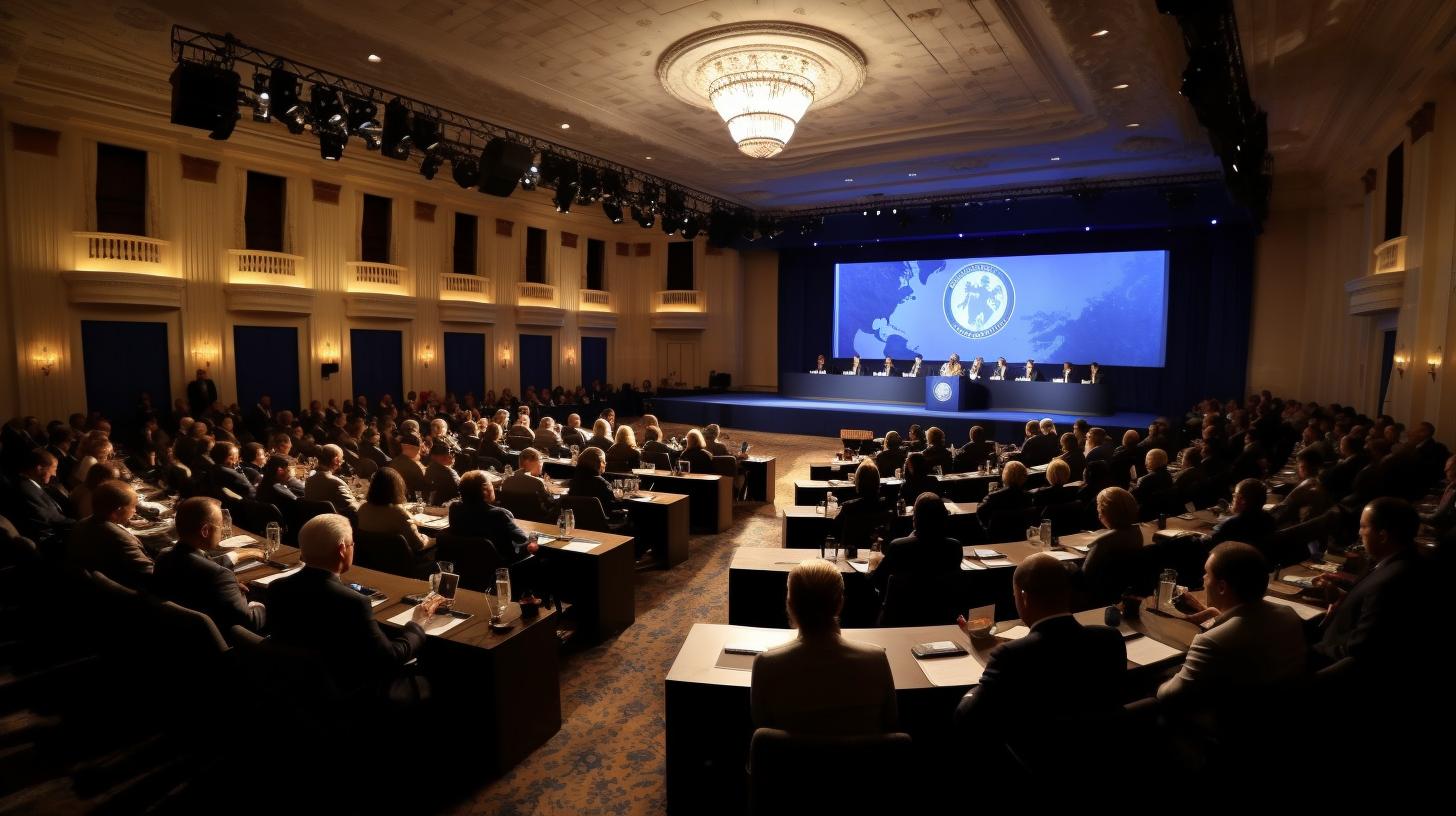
[1145, 651]
[971, 566]
[1303, 610]
[1063, 555]
[984, 553]
[964, 670]
[1014, 633]
[998, 562]
[433, 625]
[234, 542]
[268, 579]
[581, 545]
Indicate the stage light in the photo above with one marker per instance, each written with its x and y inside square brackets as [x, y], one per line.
[425, 132]
[1086, 229]
[644, 218]
[530, 180]
[1213, 222]
[670, 224]
[205, 97]
[326, 107]
[431, 164]
[612, 209]
[395, 138]
[331, 145]
[465, 170]
[612, 185]
[565, 194]
[283, 99]
[591, 186]
[363, 120]
[692, 225]
[262, 100]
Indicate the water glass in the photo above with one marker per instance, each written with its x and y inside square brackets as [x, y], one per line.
[684, 467]
[650, 467]
[1033, 535]
[273, 539]
[570, 522]
[227, 524]
[503, 586]
[939, 470]
[1167, 585]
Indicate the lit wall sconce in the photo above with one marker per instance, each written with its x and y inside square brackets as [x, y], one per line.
[1401, 361]
[570, 356]
[505, 354]
[1434, 361]
[427, 355]
[203, 354]
[45, 360]
[329, 358]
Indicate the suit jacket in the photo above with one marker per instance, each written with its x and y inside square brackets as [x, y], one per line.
[444, 484]
[857, 519]
[65, 464]
[1382, 624]
[1252, 526]
[375, 454]
[1007, 499]
[1049, 495]
[230, 479]
[327, 487]
[1339, 479]
[888, 460]
[924, 557]
[574, 436]
[278, 494]
[413, 472]
[391, 519]
[1151, 484]
[1034, 376]
[1307, 500]
[699, 460]
[1125, 461]
[1101, 453]
[599, 442]
[482, 520]
[622, 458]
[520, 438]
[824, 685]
[657, 447]
[493, 450]
[186, 576]
[595, 487]
[98, 545]
[1114, 563]
[937, 455]
[313, 609]
[524, 483]
[201, 394]
[912, 487]
[546, 440]
[971, 456]
[37, 516]
[1097, 376]
[718, 448]
[1040, 449]
[1059, 653]
[1250, 647]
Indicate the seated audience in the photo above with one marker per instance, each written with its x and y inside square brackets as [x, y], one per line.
[547, 439]
[279, 487]
[1011, 498]
[623, 456]
[975, 453]
[477, 516]
[917, 478]
[408, 465]
[188, 575]
[653, 449]
[1249, 523]
[490, 447]
[102, 543]
[820, 683]
[36, 514]
[892, 458]
[527, 486]
[1041, 445]
[710, 438]
[443, 481]
[325, 484]
[1055, 492]
[601, 435]
[1156, 481]
[928, 552]
[383, 510]
[1072, 454]
[1114, 559]
[860, 516]
[1127, 461]
[81, 496]
[695, 453]
[1308, 498]
[935, 453]
[228, 481]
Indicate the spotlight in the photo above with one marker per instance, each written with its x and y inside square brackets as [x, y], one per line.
[692, 225]
[503, 166]
[363, 119]
[649, 197]
[553, 168]
[671, 224]
[591, 186]
[565, 194]
[431, 164]
[326, 106]
[530, 180]
[425, 132]
[262, 100]
[465, 170]
[395, 138]
[331, 145]
[283, 99]
[720, 228]
[612, 209]
[612, 185]
[205, 97]
[644, 218]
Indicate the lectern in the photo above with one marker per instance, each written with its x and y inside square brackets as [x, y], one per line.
[945, 393]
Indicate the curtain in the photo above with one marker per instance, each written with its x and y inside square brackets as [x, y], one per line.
[266, 360]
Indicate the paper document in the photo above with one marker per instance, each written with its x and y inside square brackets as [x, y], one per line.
[433, 625]
[997, 562]
[643, 498]
[427, 520]
[982, 553]
[236, 541]
[758, 640]
[1145, 651]
[582, 546]
[1303, 610]
[1063, 555]
[1014, 633]
[1097, 617]
[964, 670]
[971, 566]
[861, 566]
[268, 579]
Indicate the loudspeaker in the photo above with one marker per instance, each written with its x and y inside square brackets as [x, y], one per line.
[205, 97]
[502, 165]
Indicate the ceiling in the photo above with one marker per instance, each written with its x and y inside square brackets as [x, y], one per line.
[961, 95]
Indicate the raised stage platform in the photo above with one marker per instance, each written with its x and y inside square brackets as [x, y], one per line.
[820, 417]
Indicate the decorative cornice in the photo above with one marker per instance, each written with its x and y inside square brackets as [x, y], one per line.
[252, 297]
[199, 169]
[540, 315]
[679, 321]
[1423, 121]
[385, 307]
[35, 140]
[124, 289]
[325, 193]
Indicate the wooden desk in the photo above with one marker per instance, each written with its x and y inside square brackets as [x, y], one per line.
[710, 496]
[805, 527]
[761, 473]
[662, 522]
[503, 686]
[600, 583]
[960, 487]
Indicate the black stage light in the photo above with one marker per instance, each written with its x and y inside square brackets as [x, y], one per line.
[565, 194]
[205, 97]
[426, 132]
[613, 186]
[363, 120]
[671, 223]
[644, 218]
[591, 186]
[649, 197]
[530, 180]
[502, 166]
[331, 145]
[692, 225]
[612, 209]
[466, 170]
[395, 139]
[262, 100]
[326, 107]
[555, 167]
[283, 99]
[431, 164]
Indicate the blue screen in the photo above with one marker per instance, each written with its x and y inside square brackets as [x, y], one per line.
[1110, 307]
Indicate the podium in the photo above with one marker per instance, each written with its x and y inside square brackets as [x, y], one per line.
[945, 393]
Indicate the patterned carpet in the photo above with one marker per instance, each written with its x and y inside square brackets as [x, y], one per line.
[609, 757]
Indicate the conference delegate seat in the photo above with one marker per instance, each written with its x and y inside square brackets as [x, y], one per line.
[914, 600]
[297, 513]
[489, 463]
[1010, 525]
[475, 557]
[1066, 518]
[388, 552]
[727, 467]
[253, 516]
[590, 515]
[659, 459]
[1090, 737]
[366, 468]
[526, 506]
[780, 762]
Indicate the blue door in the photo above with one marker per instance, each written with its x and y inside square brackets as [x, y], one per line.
[593, 360]
[378, 362]
[465, 364]
[267, 363]
[535, 362]
[121, 359]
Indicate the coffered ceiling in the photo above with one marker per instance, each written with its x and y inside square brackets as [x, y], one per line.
[960, 95]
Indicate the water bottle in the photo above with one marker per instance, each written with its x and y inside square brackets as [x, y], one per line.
[561, 524]
[273, 539]
[832, 508]
[227, 524]
[508, 471]
[1046, 535]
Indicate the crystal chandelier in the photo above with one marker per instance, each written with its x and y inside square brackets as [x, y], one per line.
[762, 78]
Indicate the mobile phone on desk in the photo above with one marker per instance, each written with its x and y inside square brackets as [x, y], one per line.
[367, 591]
[448, 582]
[940, 648]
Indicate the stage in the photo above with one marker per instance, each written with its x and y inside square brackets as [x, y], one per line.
[820, 417]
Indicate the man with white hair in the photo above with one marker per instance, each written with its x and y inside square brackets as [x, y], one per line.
[314, 610]
[1042, 448]
[547, 439]
[573, 434]
[325, 484]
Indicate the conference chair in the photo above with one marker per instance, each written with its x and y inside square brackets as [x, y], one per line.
[388, 552]
[727, 467]
[917, 600]
[659, 459]
[780, 762]
[591, 516]
[1038, 759]
[527, 506]
[1010, 525]
[298, 513]
[1066, 517]
[475, 557]
[366, 468]
[489, 463]
[1298, 542]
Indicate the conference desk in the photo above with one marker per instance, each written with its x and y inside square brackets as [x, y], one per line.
[960, 487]
[761, 474]
[1072, 398]
[659, 519]
[503, 688]
[709, 722]
[710, 496]
[806, 526]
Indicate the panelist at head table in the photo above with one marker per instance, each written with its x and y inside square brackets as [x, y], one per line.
[952, 367]
[975, 370]
[1029, 372]
[1094, 373]
[819, 365]
[915, 366]
[1000, 371]
[889, 367]
[1066, 372]
[854, 367]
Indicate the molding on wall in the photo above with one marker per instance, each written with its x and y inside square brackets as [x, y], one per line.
[325, 193]
[253, 297]
[35, 140]
[382, 307]
[1374, 294]
[466, 311]
[596, 320]
[195, 168]
[679, 321]
[124, 289]
[540, 316]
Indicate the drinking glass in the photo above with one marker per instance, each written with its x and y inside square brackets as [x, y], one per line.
[899, 473]
[503, 586]
[1167, 585]
[570, 522]
[227, 524]
[939, 470]
[684, 467]
[273, 539]
[1033, 534]
[650, 467]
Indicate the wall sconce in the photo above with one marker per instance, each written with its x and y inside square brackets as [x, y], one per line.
[1434, 361]
[203, 354]
[1401, 361]
[570, 356]
[45, 360]
[427, 355]
[330, 360]
[505, 354]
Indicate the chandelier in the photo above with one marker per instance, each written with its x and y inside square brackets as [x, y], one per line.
[762, 78]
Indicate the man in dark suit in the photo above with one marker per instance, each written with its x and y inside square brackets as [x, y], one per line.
[35, 514]
[1249, 523]
[444, 482]
[1043, 447]
[1009, 706]
[477, 515]
[1127, 461]
[1339, 479]
[1156, 482]
[1099, 447]
[935, 452]
[279, 488]
[1430, 455]
[201, 394]
[572, 433]
[892, 458]
[925, 553]
[187, 576]
[527, 490]
[1095, 374]
[225, 474]
[61, 441]
[409, 466]
[102, 543]
[314, 610]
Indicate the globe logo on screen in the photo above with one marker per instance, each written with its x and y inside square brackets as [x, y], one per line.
[942, 392]
[979, 300]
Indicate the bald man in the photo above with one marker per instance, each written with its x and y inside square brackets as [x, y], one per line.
[313, 609]
[187, 576]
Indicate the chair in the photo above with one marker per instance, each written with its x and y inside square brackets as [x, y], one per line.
[366, 467]
[489, 463]
[659, 459]
[590, 515]
[475, 557]
[386, 552]
[1010, 525]
[781, 762]
[299, 512]
[920, 600]
[727, 466]
[526, 506]
[1066, 517]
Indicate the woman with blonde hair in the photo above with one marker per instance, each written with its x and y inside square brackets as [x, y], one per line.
[623, 456]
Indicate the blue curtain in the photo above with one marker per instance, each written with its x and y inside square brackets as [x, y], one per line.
[121, 359]
[378, 362]
[593, 359]
[535, 361]
[465, 364]
[1210, 296]
[267, 363]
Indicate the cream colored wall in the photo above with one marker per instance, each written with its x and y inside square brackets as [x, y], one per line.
[760, 321]
[1321, 236]
[48, 198]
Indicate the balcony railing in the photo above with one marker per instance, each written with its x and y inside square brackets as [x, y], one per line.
[1390, 256]
[260, 267]
[536, 294]
[378, 278]
[678, 300]
[595, 300]
[112, 252]
[464, 287]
